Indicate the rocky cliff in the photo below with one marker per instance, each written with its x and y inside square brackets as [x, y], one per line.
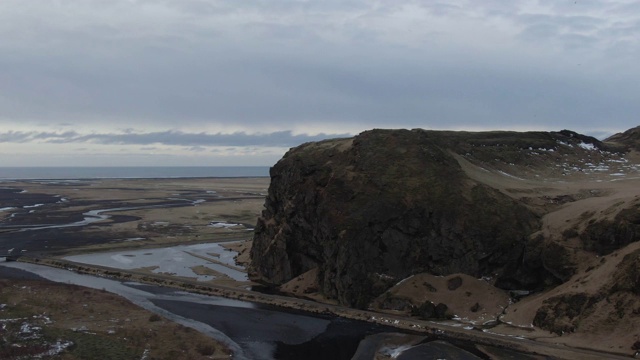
[369, 211]
[551, 213]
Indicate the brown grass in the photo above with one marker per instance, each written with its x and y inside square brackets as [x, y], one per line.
[101, 325]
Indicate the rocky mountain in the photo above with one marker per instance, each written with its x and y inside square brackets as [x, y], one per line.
[351, 218]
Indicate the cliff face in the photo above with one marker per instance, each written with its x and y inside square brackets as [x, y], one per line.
[553, 212]
[520, 208]
[367, 212]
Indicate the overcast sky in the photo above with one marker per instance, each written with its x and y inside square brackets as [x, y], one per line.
[229, 82]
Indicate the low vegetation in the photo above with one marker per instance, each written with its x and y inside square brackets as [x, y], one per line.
[59, 321]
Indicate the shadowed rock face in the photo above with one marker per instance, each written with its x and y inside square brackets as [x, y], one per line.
[606, 236]
[533, 211]
[616, 299]
[372, 210]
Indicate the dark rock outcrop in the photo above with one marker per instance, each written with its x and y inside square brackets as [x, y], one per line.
[629, 139]
[372, 210]
[617, 298]
[429, 310]
[627, 276]
[396, 303]
[368, 211]
[607, 235]
[562, 314]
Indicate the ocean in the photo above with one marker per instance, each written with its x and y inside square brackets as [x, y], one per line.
[130, 172]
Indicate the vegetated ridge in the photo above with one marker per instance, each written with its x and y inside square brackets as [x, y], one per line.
[373, 221]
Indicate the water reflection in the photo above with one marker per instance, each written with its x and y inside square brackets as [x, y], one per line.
[252, 331]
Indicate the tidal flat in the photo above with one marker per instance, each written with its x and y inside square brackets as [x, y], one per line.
[57, 217]
[204, 262]
[162, 221]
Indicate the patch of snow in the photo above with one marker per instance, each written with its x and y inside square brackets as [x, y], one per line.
[509, 175]
[504, 335]
[394, 353]
[29, 331]
[145, 354]
[32, 206]
[45, 319]
[222, 224]
[403, 280]
[56, 348]
[587, 146]
[384, 276]
[6, 209]
[134, 239]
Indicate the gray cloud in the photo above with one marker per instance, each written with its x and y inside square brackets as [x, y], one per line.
[194, 141]
[580, 6]
[571, 32]
[180, 69]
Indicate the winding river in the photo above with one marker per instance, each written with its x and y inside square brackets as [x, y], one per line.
[251, 331]
[93, 216]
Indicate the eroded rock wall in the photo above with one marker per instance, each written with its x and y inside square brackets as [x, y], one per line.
[372, 210]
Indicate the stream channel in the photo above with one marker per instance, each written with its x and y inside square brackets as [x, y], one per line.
[251, 331]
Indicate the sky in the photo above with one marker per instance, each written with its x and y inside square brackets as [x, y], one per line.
[229, 82]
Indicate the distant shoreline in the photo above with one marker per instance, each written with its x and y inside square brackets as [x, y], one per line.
[132, 178]
[130, 172]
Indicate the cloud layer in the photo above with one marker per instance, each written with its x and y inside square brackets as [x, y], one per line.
[171, 138]
[254, 73]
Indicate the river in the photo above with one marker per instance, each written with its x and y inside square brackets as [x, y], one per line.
[251, 331]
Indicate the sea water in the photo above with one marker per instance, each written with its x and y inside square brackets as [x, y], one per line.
[126, 172]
